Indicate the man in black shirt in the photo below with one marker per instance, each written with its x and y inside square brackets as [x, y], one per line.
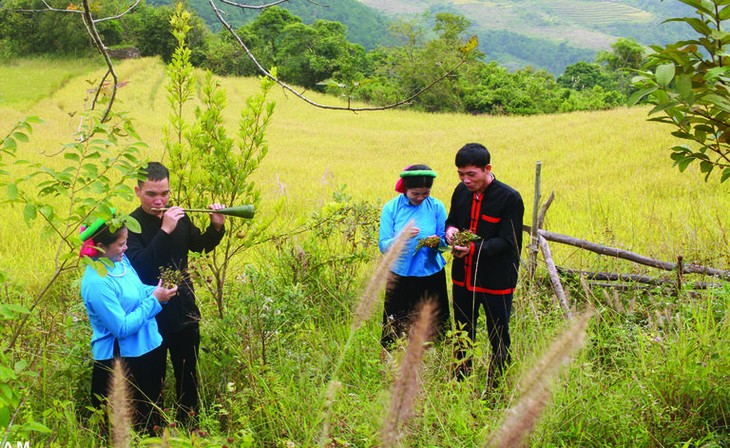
[484, 272]
[163, 243]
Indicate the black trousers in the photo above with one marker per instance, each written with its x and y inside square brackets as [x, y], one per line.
[402, 297]
[145, 386]
[183, 346]
[497, 311]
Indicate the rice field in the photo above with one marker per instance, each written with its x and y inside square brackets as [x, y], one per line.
[597, 12]
[610, 171]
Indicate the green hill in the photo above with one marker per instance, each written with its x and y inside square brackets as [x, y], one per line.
[547, 34]
[550, 34]
[366, 26]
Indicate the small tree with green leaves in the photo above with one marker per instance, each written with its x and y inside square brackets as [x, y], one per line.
[689, 84]
[206, 164]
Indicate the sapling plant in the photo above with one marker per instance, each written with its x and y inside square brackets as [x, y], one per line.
[203, 155]
[90, 180]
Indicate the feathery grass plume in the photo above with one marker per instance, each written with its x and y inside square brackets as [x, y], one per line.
[120, 406]
[535, 393]
[329, 400]
[406, 386]
[380, 277]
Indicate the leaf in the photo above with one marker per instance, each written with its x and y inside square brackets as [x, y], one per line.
[665, 74]
[100, 269]
[12, 191]
[7, 392]
[9, 145]
[684, 88]
[718, 101]
[20, 365]
[132, 224]
[725, 175]
[20, 137]
[29, 212]
[640, 94]
[470, 45]
[36, 427]
[684, 163]
[71, 156]
[706, 166]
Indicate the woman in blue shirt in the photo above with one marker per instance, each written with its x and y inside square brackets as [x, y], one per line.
[418, 274]
[122, 315]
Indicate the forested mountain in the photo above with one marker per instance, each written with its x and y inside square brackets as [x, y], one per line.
[547, 34]
[551, 34]
[365, 25]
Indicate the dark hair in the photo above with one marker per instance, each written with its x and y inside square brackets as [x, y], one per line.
[417, 181]
[474, 154]
[154, 171]
[106, 237]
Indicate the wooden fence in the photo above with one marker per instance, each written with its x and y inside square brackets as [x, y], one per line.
[539, 243]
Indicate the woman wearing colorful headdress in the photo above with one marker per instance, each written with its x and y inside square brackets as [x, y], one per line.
[418, 274]
[122, 315]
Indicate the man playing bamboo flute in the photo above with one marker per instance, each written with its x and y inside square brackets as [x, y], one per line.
[166, 238]
[484, 271]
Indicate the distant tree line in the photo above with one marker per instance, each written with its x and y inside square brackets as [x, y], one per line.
[320, 57]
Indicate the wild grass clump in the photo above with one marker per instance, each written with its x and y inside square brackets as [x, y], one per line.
[667, 391]
[407, 386]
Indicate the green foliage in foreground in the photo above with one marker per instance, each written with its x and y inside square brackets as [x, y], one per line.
[653, 372]
[688, 83]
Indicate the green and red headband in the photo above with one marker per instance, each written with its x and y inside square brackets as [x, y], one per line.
[87, 236]
[400, 186]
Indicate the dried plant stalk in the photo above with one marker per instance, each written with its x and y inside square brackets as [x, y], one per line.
[406, 386]
[380, 278]
[535, 392]
[120, 406]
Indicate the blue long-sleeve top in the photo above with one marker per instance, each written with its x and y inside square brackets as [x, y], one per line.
[430, 217]
[120, 307]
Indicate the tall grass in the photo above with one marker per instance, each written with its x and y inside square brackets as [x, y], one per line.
[25, 82]
[611, 172]
[653, 370]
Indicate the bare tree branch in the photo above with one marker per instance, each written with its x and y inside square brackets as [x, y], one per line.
[262, 7]
[309, 101]
[90, 24]
[242, 6]
[120, 15]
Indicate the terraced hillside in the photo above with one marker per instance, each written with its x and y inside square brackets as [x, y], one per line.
[584, 25]
[602, 13]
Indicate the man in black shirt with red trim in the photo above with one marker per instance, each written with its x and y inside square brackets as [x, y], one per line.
[484, 273]
[166, 238]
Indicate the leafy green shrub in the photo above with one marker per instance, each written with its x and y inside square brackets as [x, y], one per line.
[664, 385]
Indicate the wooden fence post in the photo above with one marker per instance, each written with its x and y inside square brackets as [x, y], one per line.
[680, 274]
[534, 245]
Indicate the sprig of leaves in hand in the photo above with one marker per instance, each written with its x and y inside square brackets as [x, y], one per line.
[430, 241]
[170, 277]
[462, 238]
